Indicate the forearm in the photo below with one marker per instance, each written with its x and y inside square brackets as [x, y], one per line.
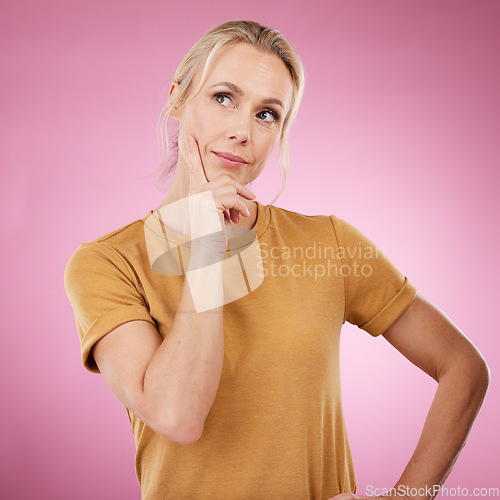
[459, 396]
[182, 378]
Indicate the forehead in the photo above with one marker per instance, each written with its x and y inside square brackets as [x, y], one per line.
[259, 74]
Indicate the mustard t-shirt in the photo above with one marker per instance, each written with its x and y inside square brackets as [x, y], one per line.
[276, 428]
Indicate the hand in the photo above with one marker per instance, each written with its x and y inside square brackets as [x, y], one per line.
[226, 191]
[211, 205]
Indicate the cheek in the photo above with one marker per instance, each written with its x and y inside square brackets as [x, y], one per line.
[268, 143]
[196, 122]
[267, 146]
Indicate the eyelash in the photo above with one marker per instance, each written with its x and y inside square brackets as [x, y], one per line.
[270, 111]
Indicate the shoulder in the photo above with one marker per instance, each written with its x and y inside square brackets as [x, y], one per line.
[110, 249]
[283, 215]
[337, 231]
[121, 235]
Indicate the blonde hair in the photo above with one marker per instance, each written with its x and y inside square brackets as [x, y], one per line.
[264, 38]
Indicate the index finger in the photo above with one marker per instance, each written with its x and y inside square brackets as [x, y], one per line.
[197, 176]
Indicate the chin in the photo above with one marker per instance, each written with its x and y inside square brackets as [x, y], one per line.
[236, 174]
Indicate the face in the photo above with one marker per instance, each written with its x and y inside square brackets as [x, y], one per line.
[237, 116]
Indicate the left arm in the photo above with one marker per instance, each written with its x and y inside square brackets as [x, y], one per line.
[425, 336]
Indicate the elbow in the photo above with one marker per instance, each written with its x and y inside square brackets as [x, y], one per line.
[476, 375]
[479, 372]
[180, 428]
[482, 375]
[182, 432]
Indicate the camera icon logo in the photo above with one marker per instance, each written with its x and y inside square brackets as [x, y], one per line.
[170, 252]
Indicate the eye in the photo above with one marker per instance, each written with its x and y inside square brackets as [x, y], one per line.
[223, 99]
[268, 116]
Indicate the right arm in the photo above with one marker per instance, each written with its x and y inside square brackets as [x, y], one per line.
[171, 384]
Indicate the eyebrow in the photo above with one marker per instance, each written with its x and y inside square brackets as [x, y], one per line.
[239, 91]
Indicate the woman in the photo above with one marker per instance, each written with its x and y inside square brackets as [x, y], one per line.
[216, 320]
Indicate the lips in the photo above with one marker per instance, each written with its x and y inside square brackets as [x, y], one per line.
[231, 157]
[230, 160]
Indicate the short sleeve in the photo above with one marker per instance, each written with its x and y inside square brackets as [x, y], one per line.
[376, 293]
[104, 295]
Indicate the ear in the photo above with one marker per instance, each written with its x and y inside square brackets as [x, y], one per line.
[174, 90]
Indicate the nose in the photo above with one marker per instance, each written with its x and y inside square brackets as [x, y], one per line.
[239, 128]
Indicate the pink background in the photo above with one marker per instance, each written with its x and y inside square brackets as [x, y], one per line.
[398, 134]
